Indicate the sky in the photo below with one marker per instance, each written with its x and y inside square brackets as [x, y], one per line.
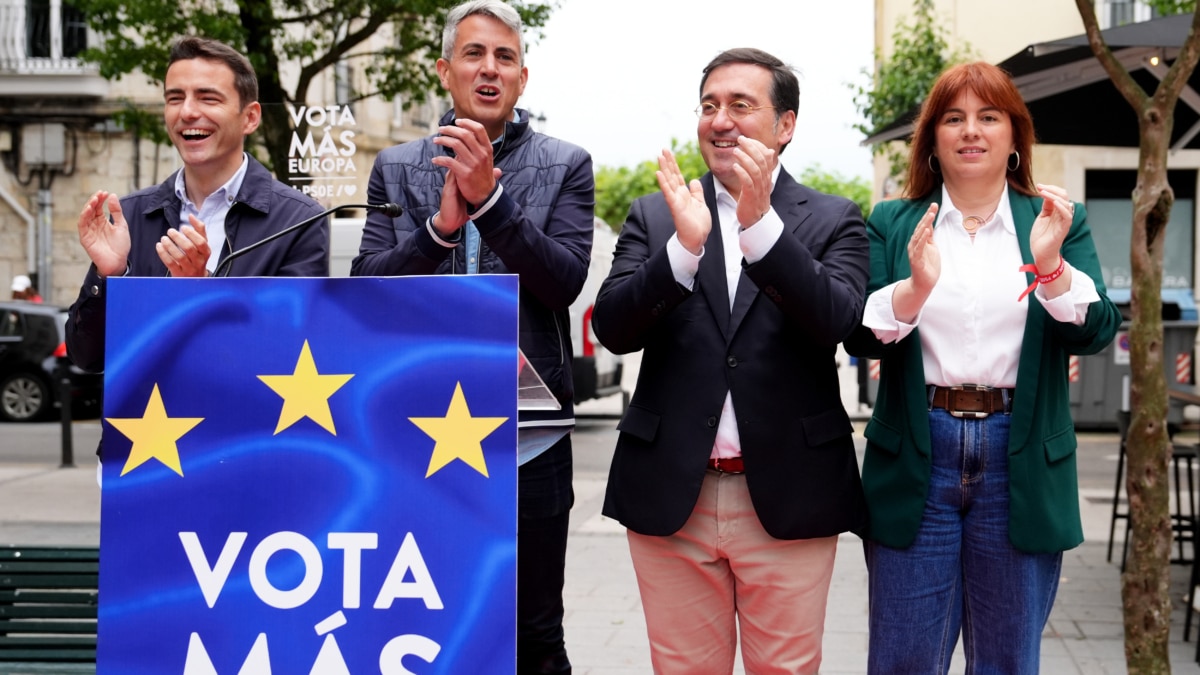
[621, 77]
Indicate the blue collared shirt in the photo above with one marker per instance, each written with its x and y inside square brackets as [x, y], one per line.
[213, 211]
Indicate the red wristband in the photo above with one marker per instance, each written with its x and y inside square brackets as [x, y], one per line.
[1062, 266]
[1043, 280]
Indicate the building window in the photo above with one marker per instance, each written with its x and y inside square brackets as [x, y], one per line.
[1110, 214]
[1113, 13]
[40, 19]
[74, 31]
[1120, 12]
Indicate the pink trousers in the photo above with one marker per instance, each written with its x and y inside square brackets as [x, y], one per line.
[722, 573]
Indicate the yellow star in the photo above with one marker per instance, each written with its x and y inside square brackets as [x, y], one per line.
[305, 393]
[154, 434]
[457, 435]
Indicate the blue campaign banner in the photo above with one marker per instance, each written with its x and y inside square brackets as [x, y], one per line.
[309, 476]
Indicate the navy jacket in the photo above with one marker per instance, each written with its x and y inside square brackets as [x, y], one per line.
[264, 206]
[774, 353]
[540, 229]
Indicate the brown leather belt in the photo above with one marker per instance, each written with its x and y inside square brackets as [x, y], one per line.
[972, 401]
[727, 465]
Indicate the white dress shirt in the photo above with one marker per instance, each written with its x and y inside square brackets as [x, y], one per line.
[972, 324]
[752, 244]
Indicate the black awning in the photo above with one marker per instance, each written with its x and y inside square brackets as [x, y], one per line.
[1070, 96]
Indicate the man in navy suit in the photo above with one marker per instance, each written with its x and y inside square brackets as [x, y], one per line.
[735, 469]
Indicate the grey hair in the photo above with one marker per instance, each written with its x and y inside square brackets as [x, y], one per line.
[501, 11]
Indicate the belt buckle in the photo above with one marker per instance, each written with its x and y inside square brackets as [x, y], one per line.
[969, 414]
[717, 464]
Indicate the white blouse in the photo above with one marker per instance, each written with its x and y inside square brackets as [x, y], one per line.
[972, 324]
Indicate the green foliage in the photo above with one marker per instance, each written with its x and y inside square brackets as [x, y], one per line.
[142, 123]
[920, 52]
[616, 189]
[856, 189]
[1168, 7]
[136, 35]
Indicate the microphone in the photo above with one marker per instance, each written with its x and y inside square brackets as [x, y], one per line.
[389, 209]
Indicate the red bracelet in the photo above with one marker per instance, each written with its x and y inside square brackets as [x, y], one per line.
[1062, 266]
[1043, 280]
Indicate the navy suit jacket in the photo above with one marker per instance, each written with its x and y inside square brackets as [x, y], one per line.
[774, 351]
[264, 206]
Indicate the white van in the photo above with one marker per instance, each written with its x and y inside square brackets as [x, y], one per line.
[597, 371]
[345, 236]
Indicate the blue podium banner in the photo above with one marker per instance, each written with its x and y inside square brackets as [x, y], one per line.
[309, 476]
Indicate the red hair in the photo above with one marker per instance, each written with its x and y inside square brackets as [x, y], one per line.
[994, 87]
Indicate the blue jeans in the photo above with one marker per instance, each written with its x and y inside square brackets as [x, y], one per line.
[961, 572]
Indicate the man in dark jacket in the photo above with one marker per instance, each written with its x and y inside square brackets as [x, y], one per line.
[489, 195]
[220, 201]
[735, 470]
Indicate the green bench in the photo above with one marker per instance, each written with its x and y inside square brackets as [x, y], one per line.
[48, 609]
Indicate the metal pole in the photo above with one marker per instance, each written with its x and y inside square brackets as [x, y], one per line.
[45, 243]
[64, 396]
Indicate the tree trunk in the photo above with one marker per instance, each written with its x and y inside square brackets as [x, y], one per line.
[276, 128]
[1145, 587]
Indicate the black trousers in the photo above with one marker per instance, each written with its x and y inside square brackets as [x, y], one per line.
[544, 500]
[863, 382]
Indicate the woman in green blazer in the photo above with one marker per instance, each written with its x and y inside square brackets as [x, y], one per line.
[982, 285]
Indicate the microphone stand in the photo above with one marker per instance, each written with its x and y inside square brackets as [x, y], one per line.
[389, 209]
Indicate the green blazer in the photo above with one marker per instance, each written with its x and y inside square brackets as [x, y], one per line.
[1044, 507]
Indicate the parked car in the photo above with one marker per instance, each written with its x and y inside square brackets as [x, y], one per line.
[31, 341]
[597, 371]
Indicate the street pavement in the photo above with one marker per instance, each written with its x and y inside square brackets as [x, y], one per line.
[41, 503]
[606, 629]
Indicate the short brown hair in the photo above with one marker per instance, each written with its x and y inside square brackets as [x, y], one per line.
[245, 82]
